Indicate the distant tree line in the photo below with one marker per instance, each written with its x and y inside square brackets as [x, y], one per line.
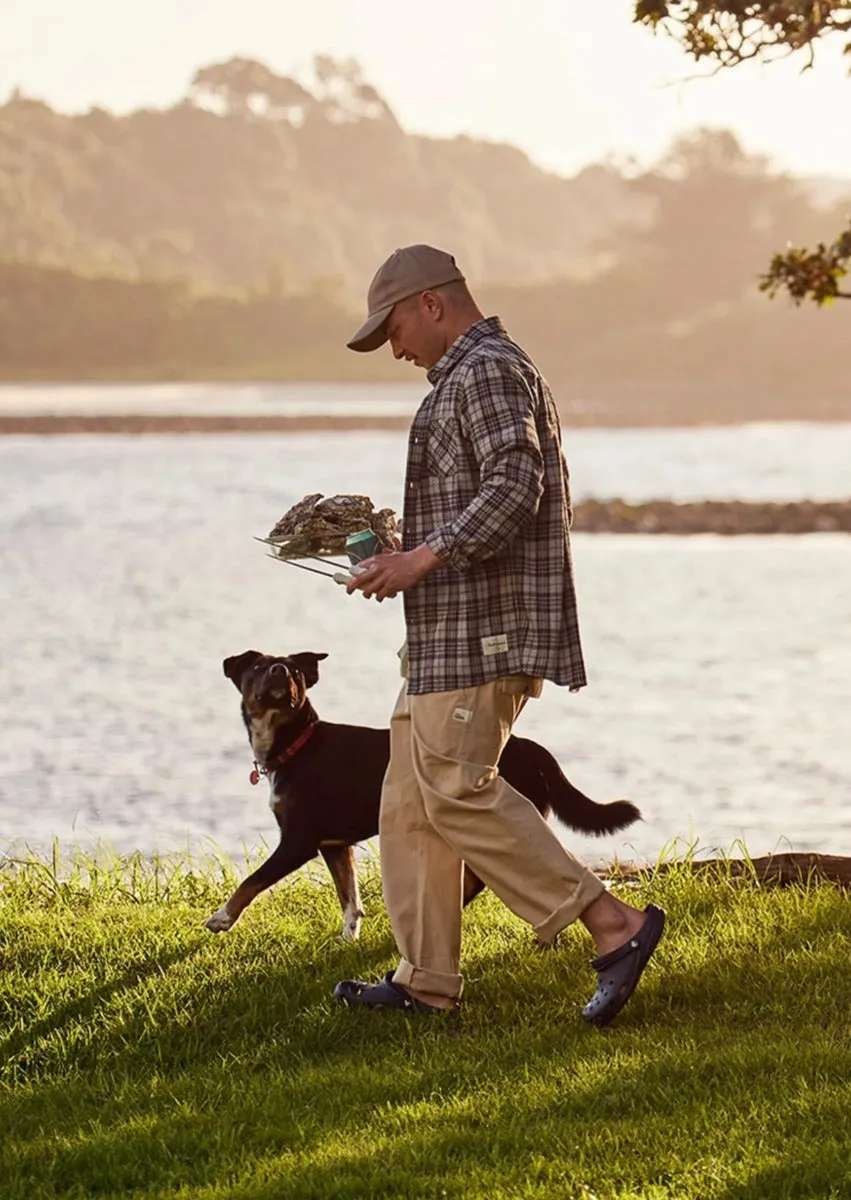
[670, 323]
[56, 323]
[310, 179]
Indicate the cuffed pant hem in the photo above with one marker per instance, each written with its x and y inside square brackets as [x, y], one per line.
[587, 890]
[419, 979]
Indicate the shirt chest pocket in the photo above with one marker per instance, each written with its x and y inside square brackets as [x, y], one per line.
[441, 447]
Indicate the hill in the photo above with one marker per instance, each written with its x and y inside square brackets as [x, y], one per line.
[255, 176]
[232, 236]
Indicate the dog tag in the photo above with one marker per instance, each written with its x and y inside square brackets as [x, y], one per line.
[254, 776]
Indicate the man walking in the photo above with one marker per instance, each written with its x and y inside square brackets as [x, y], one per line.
[490, 612]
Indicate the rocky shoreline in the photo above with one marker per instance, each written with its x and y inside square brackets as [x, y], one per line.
[725, 517]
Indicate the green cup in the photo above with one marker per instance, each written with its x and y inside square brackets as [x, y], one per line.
[361, 545]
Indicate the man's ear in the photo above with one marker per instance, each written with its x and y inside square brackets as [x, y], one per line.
[236, 666]
[308, 663]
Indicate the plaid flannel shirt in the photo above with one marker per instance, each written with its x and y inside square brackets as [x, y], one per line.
[487, 489]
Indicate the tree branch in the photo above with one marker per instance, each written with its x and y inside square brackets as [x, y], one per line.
[732, 32]
[811, 274]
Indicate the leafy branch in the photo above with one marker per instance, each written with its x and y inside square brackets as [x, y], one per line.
[814, 274]
[735, 31]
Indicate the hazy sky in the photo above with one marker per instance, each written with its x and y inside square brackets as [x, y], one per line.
[544, 74]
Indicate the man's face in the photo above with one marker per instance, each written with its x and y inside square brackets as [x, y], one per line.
[414, 333]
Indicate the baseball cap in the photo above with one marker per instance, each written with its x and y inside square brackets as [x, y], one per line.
[407, 272]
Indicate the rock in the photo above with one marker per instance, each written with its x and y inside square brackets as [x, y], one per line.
[725, 517]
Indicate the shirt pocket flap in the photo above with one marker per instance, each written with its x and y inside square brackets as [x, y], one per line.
[442, 447]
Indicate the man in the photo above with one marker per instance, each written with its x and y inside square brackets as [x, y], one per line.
[490, 612]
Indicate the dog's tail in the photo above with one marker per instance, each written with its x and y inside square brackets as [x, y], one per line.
[585, 815]
[580, 812]
[572, 807]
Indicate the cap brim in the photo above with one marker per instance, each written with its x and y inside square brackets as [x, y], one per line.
[373, 332]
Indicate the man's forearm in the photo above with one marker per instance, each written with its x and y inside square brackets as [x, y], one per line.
[426, 560]
[489, 523]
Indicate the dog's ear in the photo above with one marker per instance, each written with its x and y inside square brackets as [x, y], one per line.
[308, 663]
[236, 666]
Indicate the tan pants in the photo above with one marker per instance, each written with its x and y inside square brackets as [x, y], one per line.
[444, 804]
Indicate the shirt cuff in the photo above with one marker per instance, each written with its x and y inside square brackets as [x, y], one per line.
[441, 544]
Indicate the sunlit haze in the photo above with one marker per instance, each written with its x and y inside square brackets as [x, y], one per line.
[570, 82]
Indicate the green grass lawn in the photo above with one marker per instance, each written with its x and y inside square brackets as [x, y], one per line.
[145, 1057]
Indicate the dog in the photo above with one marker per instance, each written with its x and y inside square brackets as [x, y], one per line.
[325, 783]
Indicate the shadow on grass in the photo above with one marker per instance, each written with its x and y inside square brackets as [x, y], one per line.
[696, 1120]
[18, 1047]
[248, 1078]
[246, 988]
[226, 1007]
[801, 1172]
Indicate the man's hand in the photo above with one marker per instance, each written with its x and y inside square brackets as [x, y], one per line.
[386, 574]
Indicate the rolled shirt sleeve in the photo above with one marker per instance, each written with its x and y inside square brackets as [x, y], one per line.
[498, 422]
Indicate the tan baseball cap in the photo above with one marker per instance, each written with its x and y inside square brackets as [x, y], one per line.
[407, 272]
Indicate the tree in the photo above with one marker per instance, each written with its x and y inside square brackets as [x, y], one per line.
[345, 94]
[245, 87]
[714, 213]
[730, 32]
[287, 100]
[235, 84]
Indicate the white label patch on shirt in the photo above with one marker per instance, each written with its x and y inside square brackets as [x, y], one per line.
[497, 643]
[464, 715]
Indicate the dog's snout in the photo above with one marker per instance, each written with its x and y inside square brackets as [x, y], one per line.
[277, 669]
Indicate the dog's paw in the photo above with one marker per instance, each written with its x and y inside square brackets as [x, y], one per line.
[220, 921]
[351, 925]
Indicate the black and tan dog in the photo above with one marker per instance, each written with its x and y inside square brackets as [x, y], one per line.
[325, 783]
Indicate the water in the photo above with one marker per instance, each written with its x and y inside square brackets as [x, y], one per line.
[209, 399]
[719, 668]
[765, 461]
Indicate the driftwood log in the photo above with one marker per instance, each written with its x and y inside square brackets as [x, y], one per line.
[780, 869]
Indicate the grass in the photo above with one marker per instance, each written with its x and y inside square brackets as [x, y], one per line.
[144, 1057]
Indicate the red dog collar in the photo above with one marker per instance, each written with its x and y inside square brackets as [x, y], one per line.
[281, 758]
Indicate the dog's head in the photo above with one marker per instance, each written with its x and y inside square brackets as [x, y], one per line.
[268, 683]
